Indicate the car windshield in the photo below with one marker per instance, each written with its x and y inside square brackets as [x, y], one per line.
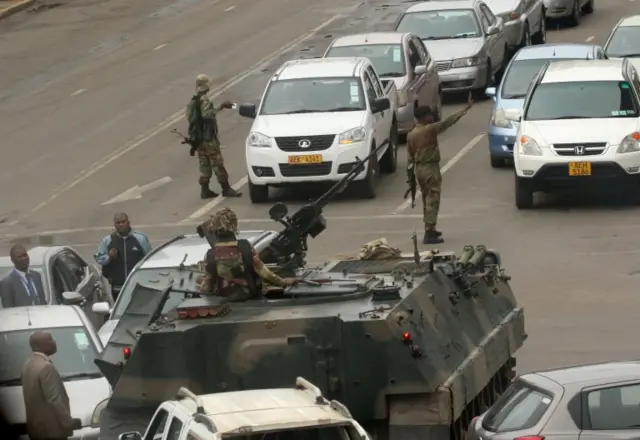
[582, 100]
[387, 59]
[518, 78]
[520, 407]
[625, 42]
[74, 359]
[313, 95]
[441, 25]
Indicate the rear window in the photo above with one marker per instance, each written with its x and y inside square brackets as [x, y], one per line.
[520, 407]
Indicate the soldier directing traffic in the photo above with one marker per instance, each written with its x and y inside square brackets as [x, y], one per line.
[424, 161]
[203, 130]
[234, 269]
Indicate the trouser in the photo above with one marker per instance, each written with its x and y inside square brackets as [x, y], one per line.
[210, 161]
[430, 182]
[115, 291]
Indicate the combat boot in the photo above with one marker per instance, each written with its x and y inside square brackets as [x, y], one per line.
[432, 237]
[205, 192]
[227, 191]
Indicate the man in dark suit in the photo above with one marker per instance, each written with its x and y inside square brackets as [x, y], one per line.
[21, 287]
[45, 399]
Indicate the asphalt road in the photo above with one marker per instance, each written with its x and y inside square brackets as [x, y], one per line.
[89, 91]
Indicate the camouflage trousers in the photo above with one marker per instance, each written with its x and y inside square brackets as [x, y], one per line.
[430, 183]
[210, 161]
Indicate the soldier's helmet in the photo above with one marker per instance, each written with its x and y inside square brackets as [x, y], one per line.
[203, 83]
[224, 221]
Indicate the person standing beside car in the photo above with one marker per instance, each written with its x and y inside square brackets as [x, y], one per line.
[120, 251]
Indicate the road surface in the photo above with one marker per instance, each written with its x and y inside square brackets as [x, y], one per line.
[90, 90]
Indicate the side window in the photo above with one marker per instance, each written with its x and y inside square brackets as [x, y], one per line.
[62, 280]
[157, 426]
[424, 53]
[374, 80]
[74, 267]
[488, 14]
[614, 408]
[368, 88]
[174, 429]
[414, 56]
[484, 21]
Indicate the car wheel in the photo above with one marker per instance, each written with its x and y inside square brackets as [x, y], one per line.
[574, 19]
[258, 193]
[366, 188]
[524, 193]
[497, 162]
[541, 36]
[479, 93]
[389, 162]
[439, 106]
[588, 8]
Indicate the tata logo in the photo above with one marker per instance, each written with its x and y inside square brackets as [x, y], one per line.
[304, 143]
[579, 150]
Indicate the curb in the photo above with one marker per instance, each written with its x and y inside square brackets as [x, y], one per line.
[15, 8]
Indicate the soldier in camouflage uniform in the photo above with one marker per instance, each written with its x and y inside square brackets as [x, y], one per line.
[234, 269]
[424, 155]
[203, 128]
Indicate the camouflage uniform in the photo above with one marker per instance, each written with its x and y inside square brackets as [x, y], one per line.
[424, 153]
[228, 262]
[210, 159]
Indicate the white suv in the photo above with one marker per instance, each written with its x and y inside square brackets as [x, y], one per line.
[580, 125]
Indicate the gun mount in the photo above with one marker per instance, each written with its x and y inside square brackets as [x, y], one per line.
[414, 347]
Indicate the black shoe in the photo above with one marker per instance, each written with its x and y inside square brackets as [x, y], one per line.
[432, 237]
[206, 193]
[227, 191]
[438, 233]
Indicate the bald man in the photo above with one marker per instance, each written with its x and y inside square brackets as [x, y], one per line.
[45, 398]
[22, 287]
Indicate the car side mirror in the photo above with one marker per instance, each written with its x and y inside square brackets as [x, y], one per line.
[380, 105]
[420, 70]
[490, 92]
[248, 111]
[133, 435]
[71, 298]
[492, 30]
[101, 308]
[513, 114]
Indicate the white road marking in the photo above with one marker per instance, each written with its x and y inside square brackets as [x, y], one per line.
[230, 8]
[472, 143]
[79, 91]
[215, 202]
[589, 39]
[136, 192]
[159, 47]
[171, 120]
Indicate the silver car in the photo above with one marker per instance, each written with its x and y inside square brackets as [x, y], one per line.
[401, 58]
[524, 21]
[569, 10]
[466, 39]
[64, 270]
[624, 41]
[78, 346]
[589, 402]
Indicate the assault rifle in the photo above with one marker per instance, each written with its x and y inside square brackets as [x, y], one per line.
[290, 245]
[186, 141]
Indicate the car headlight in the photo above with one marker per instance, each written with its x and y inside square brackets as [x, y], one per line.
[403, 99]
[352, 136]
[259, 140]
[95, 417]
[467, 62]
[499, 119]
[630, 143]
[529, 147]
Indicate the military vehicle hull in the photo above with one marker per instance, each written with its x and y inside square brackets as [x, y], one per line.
[413, 349]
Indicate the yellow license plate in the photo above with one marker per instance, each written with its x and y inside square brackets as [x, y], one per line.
[312, 158]
[579, 168]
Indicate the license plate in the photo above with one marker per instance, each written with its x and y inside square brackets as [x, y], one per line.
[312, 158]
[579, 168]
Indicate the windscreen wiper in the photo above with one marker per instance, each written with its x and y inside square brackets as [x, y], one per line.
[392, 74]
[10, 382]
[77, 376]
[293, 112]
[569, 117]
[341, 109]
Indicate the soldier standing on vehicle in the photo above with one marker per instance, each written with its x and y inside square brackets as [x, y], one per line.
[203, 130]
[234, 269]
[424, 156]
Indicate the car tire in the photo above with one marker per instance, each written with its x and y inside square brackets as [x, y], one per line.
[588, 8]
[438, 117]
[497, 162]
[366, 188]
[524, 193]
[258, 193]
[574, 18]
[389, 162]
[479, 93]
[541, 36]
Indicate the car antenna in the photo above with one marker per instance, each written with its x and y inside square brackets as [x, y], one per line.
[29, 317]
[554, 51]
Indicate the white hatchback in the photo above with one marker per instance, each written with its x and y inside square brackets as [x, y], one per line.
[580, 126]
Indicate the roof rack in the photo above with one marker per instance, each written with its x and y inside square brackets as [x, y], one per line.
[304, 385]
[200, 415]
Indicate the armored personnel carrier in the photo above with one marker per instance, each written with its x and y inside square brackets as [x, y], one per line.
[414, 347]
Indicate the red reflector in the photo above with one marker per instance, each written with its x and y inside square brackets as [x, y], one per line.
[530, 437]
[193, 313]
[126, 352]
[406, 336]
[182, 314]
[202, 312]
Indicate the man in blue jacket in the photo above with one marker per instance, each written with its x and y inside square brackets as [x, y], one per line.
[120, 251]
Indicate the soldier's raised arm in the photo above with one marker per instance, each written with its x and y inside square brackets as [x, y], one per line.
[442, 126]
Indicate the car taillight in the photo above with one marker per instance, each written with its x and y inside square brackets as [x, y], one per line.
[530, 437]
